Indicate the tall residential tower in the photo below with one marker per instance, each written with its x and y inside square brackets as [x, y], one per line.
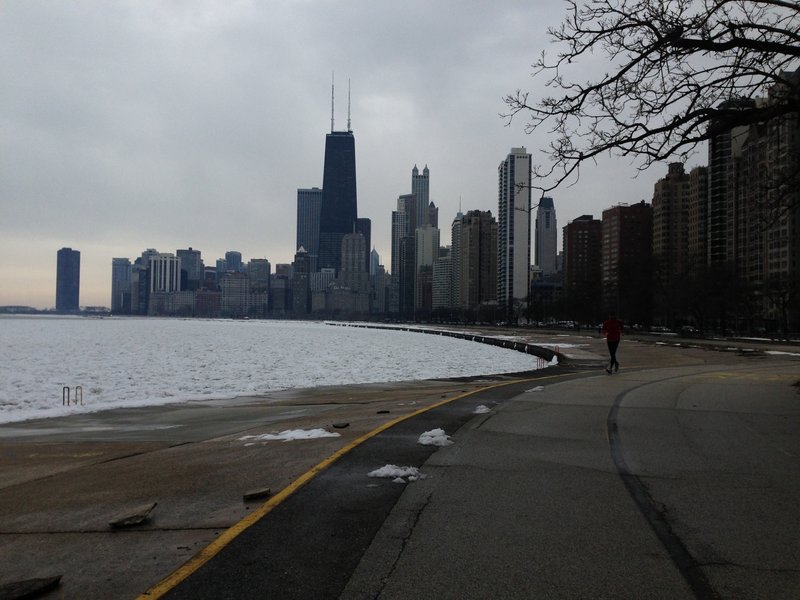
[514, 229]
[68, 280]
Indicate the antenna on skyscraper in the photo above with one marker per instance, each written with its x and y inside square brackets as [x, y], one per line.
[332, 73]
[348, 105]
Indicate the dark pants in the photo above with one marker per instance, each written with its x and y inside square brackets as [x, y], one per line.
[612, 350]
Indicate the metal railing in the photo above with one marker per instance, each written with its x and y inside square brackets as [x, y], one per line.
[66, 396]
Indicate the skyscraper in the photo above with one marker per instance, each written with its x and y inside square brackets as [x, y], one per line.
[420, 187]
[68, 280]
[404, 222]
[456, 257]
[192, 270]
[339, 209]
[514, 229]
[426, 242]
[546, 236]
[120, 286]
[233, 261]
[165, 273]
[309, 203]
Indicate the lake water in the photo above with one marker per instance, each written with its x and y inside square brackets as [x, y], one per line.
[125, 362]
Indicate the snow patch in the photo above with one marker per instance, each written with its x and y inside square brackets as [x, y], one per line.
[435, 437]
[291, 434]
[481, 410]
[397, 474]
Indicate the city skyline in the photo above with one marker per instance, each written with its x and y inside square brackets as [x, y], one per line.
[133, 126]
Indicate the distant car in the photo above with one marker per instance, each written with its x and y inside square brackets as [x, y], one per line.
[660, 329]
[689, 331]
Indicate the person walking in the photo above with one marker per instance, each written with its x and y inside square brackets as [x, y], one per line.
[612, 327]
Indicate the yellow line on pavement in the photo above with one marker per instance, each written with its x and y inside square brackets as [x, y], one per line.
[227, 536]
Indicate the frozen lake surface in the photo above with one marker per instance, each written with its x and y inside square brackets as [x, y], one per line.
[125, 362]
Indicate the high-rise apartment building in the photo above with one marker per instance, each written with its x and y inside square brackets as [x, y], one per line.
[68, 280]
[455, 259]
[546, 234]
[626, 265]
[309, 204]
[514, 229]
[670, 223]
[679, 250]
[758, 168]
[582, 242]
[442, 296]
[120, 286]
[478, 260]
[724, 151]
[420, 188]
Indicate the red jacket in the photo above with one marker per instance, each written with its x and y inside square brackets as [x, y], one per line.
[613, 329]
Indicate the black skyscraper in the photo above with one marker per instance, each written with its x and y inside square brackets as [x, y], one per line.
[68, 280]
[338, 213]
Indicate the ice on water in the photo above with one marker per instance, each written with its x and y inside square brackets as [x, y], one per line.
[127, 362]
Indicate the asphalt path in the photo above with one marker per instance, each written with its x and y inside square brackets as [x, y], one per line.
[654, 483]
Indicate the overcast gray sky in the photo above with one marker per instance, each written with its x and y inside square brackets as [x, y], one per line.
[127, 125]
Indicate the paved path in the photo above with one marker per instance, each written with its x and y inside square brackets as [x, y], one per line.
[676, 478]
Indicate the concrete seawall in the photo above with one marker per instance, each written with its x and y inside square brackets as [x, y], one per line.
[540, 351]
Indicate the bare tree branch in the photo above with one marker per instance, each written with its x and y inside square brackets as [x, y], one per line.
[672, 69]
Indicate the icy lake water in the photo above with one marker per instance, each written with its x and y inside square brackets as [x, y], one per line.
[124, 362]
